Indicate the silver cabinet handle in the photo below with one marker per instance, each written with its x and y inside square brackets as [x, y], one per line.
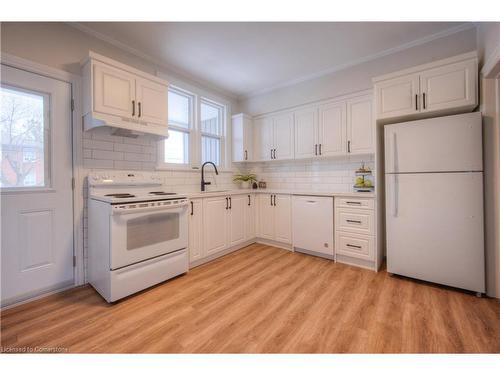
[396, 196]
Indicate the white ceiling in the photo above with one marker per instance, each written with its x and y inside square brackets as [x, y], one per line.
[242, 59]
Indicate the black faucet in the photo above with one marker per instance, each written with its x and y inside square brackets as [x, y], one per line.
[203, 183]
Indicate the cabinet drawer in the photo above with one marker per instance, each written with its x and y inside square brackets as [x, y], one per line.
[346, 202]
[353, 245]
[356, 221]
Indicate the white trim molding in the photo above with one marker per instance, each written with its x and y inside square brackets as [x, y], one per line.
[491, 66]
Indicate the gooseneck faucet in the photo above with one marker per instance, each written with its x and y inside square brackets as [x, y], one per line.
[203, 183]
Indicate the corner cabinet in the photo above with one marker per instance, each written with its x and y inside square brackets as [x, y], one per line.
[122, 97]
[443, 87]
[242, 133]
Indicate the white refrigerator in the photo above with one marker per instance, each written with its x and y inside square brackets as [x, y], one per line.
[434, 200]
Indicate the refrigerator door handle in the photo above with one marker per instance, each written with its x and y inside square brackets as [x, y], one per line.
[395, 166]
[395, 209]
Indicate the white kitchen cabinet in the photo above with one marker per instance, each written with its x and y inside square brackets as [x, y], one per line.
[355, 231]
[152, 101]
[120, 96]
[306, 133]
[250, 217]
[264, 138]
[449, 86]
[332, 129]
[236, 219]
[275, 217]
[398, 97]
[266, 216]
[114, 91]
[442, 87]
[283, 136]
[242, 133]
[274, 137]
[215, 224]
[360, 126]
[196, 250]
[282, 218]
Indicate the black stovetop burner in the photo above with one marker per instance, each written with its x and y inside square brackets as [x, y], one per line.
[120, 195]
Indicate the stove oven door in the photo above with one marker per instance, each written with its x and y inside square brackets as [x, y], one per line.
[137, 236]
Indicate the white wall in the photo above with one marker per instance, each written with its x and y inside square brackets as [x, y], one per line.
[488, 42]
[359, 77]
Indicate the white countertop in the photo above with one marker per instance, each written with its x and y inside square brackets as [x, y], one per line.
[278, 191]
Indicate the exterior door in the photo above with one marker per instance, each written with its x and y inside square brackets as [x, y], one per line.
[398, 97]
[264, 138]
[237, 220]
[266, 216]
[215, 213]
[36, 185]
[283, 218]
[306, 133]
[332, 129]
[195, 230]
[360, 126]
[152, 99]
[114, 92]
[283, 136]
[449, 86]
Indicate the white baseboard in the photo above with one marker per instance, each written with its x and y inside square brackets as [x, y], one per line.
[199, 262]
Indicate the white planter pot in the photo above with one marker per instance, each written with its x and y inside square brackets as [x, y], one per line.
[245, 184]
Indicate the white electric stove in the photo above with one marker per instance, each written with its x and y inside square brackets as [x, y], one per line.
[138, 233]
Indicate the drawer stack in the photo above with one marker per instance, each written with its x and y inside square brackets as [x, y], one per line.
[355, 229]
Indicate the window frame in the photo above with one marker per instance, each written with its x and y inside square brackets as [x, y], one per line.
[195, 133]
[190, 131]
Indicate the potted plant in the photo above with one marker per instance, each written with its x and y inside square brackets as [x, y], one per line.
[245, 180]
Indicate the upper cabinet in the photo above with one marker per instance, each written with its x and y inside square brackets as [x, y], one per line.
[242, 132]
[274, 137]
[122, 97]
[439, 88]
[360, 126]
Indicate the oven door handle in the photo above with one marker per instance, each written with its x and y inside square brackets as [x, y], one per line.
[126, 211]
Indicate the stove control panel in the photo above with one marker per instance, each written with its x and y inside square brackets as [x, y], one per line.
[113, 178]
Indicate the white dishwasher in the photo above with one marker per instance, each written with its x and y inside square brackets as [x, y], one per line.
[312, 219]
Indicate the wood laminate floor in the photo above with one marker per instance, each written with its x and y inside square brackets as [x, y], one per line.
[263, 300]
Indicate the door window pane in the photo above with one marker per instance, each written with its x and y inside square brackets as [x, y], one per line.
[24, 136]
[177, 147]
[179, 109]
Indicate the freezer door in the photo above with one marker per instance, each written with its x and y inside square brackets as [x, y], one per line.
[442, 144]
[435, 228]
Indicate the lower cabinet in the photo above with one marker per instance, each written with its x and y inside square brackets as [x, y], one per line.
[236, 219]
[250, 217]
[215, 224]
[275, 217]
[195, 221]
[355, 231]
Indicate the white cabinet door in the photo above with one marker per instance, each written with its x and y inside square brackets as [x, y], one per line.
[306, 143]
[263, 138]
[152, 101]
[360, 126]
[332, 129]
[397, 97]
[196, 230]
[450, 86]
[237, 219]
[242, 138]
[215, 233]
[114, 92]
[250, 217]
[283, 136]
[283, 218]
[266, 216]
